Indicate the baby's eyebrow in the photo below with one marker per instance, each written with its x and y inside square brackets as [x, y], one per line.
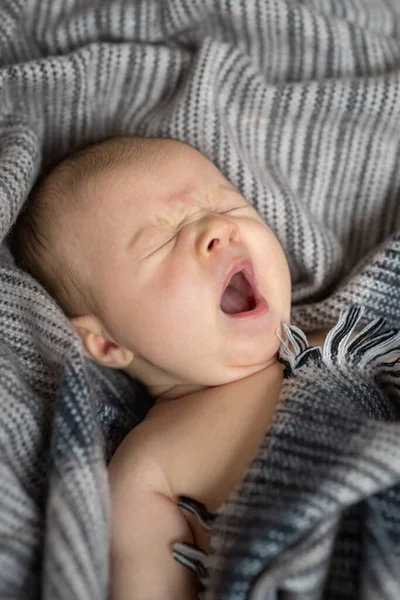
[180, 210]
[160, 221]
[165, 220]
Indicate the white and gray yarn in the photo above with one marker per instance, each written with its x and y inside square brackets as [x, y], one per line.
[317, 513]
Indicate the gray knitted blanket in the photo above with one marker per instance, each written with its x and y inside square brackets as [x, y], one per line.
[317, 513]
[298, 103]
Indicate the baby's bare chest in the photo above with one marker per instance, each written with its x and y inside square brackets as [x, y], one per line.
[205, 446]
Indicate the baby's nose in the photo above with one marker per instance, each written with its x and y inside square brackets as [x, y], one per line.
[217, 232]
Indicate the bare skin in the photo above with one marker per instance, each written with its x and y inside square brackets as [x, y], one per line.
[166, 456]
[186, 288]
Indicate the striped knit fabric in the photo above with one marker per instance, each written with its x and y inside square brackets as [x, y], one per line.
[297, 102]
[317, 513]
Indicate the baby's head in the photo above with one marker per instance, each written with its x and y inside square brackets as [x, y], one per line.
[163, 268]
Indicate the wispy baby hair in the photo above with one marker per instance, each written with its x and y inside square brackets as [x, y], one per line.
[60, 192]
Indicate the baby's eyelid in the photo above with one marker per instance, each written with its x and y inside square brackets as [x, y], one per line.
[170, 239]
[161, 246]
[215, 211]
[227, 210]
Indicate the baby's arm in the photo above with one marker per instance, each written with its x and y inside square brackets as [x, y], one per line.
[198, 445]
[145, 525]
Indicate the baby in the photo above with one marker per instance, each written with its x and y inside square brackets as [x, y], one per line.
[167, 273]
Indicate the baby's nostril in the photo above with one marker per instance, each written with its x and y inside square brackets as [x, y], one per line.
[211, 244]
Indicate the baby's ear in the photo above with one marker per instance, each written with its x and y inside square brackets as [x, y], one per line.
[99, 347]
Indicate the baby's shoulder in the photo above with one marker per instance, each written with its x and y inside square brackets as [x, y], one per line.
[139, 459]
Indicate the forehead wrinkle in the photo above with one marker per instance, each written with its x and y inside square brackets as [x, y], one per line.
[167, 219]
[179, 210]
[171, 215]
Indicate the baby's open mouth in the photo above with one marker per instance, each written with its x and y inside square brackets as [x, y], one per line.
[238, 296]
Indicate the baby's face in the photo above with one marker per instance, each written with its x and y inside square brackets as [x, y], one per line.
[184, 272]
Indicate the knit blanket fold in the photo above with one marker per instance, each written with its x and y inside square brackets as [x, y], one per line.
[316, 515]
[298, 103]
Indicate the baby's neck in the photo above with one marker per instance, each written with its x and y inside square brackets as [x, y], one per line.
[162, 389]
[161, 393]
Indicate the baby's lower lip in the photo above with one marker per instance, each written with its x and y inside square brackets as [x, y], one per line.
[260, 308]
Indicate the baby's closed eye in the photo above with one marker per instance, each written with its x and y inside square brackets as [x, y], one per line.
[234, 208]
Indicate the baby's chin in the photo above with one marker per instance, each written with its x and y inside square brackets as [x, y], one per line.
[240, 372]
[255, 359]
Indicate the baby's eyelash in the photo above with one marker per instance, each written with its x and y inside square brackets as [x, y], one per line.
[157, 248]
[168, 241]
[217, 212]
[228, 210]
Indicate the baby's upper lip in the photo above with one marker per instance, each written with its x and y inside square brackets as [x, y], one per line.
[241, 265]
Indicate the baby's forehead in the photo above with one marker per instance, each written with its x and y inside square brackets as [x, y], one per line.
[164, 181]
[186, 199]
[181, 176]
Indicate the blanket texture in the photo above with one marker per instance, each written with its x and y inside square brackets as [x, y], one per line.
[317, 513]
[298, 103]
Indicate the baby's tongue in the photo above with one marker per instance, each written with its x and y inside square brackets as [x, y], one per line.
[236, 298]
